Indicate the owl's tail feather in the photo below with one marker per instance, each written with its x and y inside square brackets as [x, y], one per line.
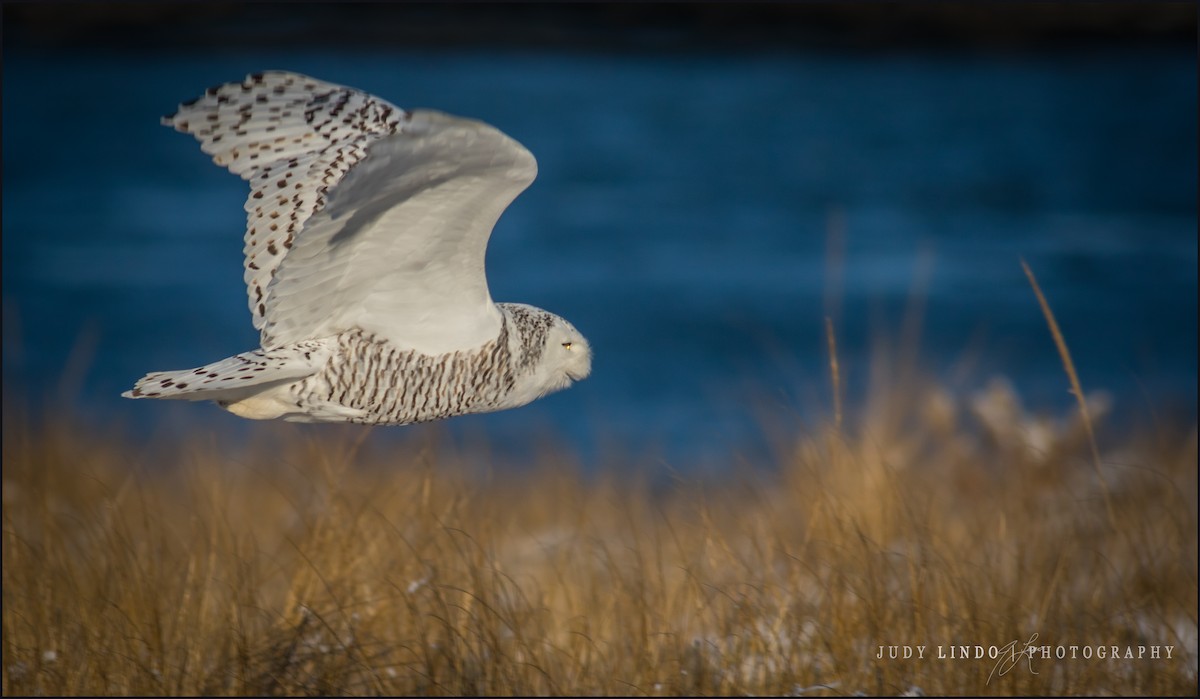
[235, 378]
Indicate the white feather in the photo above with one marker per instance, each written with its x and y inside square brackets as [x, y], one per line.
[399, 249]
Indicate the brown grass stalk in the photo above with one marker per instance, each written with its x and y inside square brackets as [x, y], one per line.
[1076, 390]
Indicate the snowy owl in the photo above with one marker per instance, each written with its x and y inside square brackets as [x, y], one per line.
[365, 239]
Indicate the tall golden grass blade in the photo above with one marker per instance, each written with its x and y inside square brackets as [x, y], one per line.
[1076, 389]
[834, 374]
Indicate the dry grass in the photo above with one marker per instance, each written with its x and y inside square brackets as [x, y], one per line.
[337, 566]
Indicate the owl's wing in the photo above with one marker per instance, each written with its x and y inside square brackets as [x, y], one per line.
[361, 214]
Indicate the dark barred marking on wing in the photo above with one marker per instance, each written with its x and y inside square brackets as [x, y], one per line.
[293, 138]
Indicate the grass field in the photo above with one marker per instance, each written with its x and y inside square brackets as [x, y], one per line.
[340, 565]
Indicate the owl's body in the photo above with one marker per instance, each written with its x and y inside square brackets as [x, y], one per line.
[364, 262]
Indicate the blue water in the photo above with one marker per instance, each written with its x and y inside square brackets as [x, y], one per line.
[681, 220]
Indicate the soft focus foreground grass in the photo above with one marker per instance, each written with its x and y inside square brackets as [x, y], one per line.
[306, 565]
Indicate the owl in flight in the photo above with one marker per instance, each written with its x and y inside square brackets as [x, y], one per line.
[365, 239]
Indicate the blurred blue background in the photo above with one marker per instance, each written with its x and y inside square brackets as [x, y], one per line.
[700, 209]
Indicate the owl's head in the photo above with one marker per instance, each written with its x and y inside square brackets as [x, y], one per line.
[568, 351]
[550, 354]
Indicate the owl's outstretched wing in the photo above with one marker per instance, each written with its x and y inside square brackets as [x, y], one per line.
[361, 214]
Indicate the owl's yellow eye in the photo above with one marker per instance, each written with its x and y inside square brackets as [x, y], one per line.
[566, 345]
